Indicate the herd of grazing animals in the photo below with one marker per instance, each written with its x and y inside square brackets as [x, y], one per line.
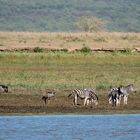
[89, 95]
[116, 94]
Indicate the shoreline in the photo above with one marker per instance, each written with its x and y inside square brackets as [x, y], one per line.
[69, 111]
[29, 104]
[66, 114]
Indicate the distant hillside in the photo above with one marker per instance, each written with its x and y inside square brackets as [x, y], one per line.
[60, 15]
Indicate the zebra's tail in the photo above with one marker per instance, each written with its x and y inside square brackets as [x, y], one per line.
[69, 95]
[95, 97]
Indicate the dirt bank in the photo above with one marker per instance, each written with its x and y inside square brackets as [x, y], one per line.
[24, 103]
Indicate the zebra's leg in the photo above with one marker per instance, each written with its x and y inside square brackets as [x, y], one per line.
[114, 102]
[85, 101]
[125, 99]
[75, 100]
[95, 101]
[110, 100]
[92, 101]
[117, 102]
[88, 101]
[120, 97]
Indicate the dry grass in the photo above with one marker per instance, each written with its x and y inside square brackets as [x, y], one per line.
[69, 41]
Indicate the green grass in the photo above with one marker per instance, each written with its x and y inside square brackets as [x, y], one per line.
[62, 70]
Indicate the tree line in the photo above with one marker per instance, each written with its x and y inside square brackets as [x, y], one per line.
[63, 15]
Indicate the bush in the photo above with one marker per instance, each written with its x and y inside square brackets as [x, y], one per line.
[37, 49]
[64, 50]
[85, 50]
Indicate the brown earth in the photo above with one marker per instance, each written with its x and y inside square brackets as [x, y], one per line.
[22, 102]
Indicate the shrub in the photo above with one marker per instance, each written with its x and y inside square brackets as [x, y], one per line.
[128, 50]
[37, 49]
[64, 50]
[85, 49]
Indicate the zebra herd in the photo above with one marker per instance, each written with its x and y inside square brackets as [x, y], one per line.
[89, 95]
[115, 95]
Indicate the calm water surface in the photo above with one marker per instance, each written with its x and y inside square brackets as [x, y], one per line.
[75, 127]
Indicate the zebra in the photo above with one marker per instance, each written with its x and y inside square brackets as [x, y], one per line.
[88, 95]
[126, 91]
[115, 97]
[3, 88]
[47, 97]
[116, 94]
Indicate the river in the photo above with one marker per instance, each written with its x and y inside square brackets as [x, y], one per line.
[70, 127]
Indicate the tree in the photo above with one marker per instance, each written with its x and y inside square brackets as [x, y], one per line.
[90, 24]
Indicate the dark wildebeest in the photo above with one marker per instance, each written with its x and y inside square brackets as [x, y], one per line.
[47, 97]
[86, 94]
[3, 88]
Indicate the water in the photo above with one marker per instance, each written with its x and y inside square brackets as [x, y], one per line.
[78, 127]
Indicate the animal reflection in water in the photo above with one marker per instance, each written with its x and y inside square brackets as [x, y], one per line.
[47, 97]
[116, 94]
[88, 95]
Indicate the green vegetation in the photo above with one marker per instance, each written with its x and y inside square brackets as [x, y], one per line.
[61, 15]
[37, 49]
[63, 70]
[85, 49]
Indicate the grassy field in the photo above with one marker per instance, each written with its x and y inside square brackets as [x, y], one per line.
[69, 70]
[30, 75]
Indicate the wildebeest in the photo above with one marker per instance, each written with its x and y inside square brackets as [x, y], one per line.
[126, 91]
[48, 96]
[3, 88]
[88, 95]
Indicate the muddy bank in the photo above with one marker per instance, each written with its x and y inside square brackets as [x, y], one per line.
[32, 104]
[36, 110]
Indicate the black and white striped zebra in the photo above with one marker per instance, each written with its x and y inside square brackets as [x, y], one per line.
[88, 95]
[115, 97]
[116, 94]
[126, 91]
